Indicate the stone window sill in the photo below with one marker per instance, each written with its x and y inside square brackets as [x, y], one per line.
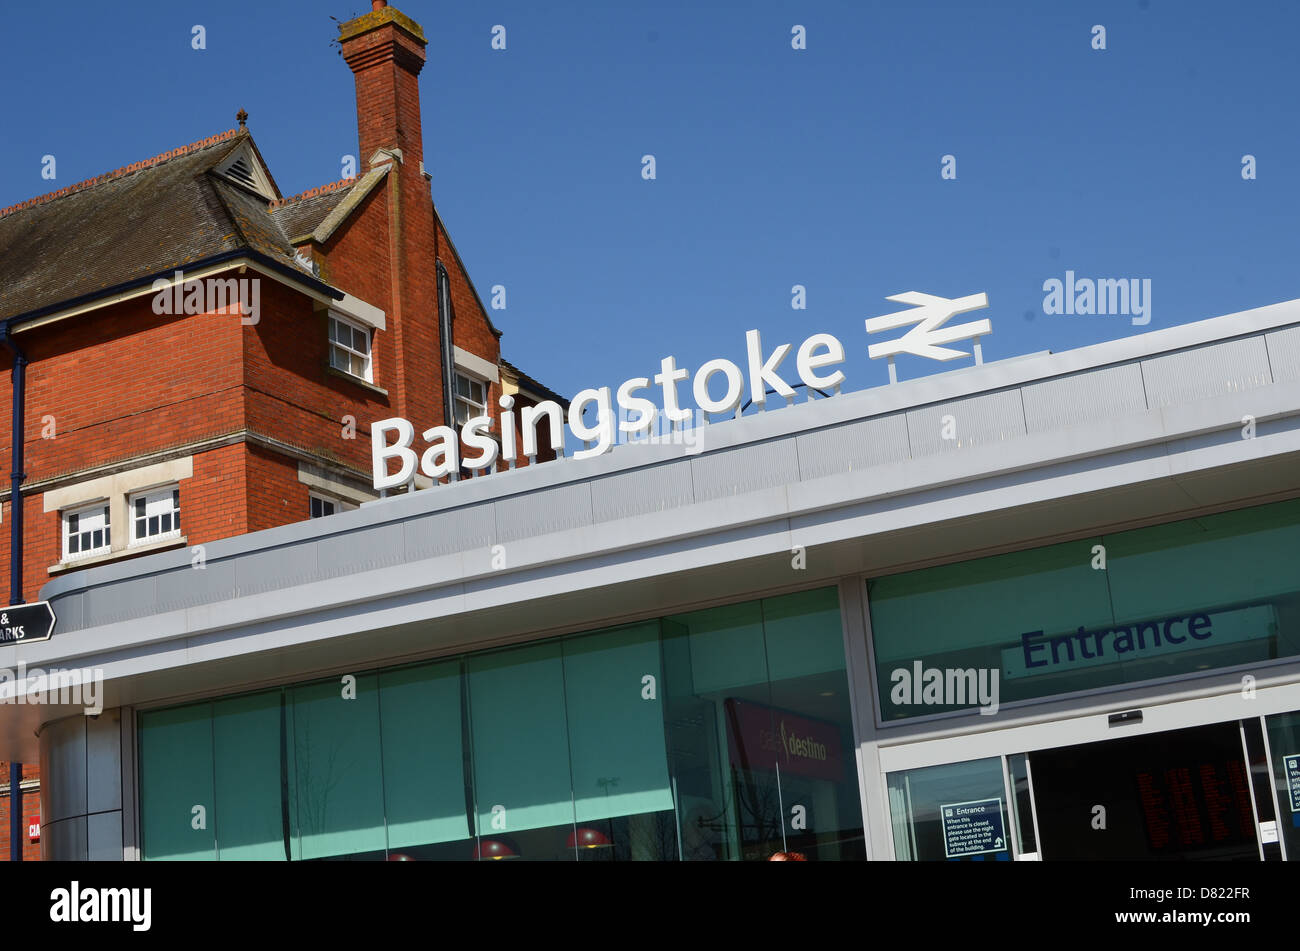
[355, 379]
[118, 554]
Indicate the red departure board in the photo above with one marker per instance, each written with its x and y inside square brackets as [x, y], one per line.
[1195, 805]
[1153, 809]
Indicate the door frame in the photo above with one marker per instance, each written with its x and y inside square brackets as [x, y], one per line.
[1092, 727]
[1158, 716]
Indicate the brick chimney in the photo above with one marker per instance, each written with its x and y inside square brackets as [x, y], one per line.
[385, 51]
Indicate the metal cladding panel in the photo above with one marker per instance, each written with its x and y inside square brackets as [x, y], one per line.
[450, 531]
[642, 491]
[187, 587]
[104, 837]
[548, 510]
[1284, 354]
[365, 549]
[275, 568]
[983, 420]
[1233, 366]
[69, 611]
[121, 600]
[63, 768]
[745, 469]
[853, 446]
[64, 840]
[104, 762]
[1084, 398]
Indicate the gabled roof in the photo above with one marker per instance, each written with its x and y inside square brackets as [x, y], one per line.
[315, 215]
[137, 223]
[299, 216]
[533, 385]
[464, 271]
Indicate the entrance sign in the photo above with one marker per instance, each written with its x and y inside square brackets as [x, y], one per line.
[973, 828]
[1041, 653]
[1291, 764]
[720, 386]
[26, 622]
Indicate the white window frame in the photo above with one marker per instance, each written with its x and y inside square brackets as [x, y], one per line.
[339, 504]
[356, 327]
[98, 510]
[474, 409]
[159, 501]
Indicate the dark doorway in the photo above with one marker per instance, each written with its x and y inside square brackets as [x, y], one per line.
[1167, 796]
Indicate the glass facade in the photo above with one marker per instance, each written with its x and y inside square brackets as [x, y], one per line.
[722, 734]
[1175, 599]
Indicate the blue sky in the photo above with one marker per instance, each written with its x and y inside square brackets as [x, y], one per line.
[775, 167]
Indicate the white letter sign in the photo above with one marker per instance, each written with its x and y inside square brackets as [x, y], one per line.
[929, 313]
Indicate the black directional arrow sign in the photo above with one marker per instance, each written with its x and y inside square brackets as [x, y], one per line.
[26, 622]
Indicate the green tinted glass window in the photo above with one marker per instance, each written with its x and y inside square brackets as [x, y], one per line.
[246, 754]
[521, 753]
[616, 725]
[338, 797]
[176, 797]
[719, 734]
[424, 775]
[1169, 600]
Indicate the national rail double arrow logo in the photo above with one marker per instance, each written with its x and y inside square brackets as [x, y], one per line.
[26, 622]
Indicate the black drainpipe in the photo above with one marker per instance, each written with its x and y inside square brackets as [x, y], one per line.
[444, 331]
[19, 380]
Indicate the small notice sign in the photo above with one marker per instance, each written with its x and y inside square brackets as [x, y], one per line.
[973, 828]
[1291, 764]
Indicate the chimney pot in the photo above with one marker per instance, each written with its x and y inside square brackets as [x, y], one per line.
[378, 4]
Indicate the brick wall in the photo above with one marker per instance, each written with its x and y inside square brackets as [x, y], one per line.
[109, 386]
[290, 394]
[214, 501]
[275, 496]
[31, 809]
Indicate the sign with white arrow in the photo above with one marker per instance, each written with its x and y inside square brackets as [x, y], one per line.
[20, 623]
[973, 828]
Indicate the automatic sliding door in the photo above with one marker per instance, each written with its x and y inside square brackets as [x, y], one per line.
[1173, 796]
[954, 812]
[1282, 742]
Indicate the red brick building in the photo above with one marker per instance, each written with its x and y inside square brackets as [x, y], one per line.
[204, 357]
